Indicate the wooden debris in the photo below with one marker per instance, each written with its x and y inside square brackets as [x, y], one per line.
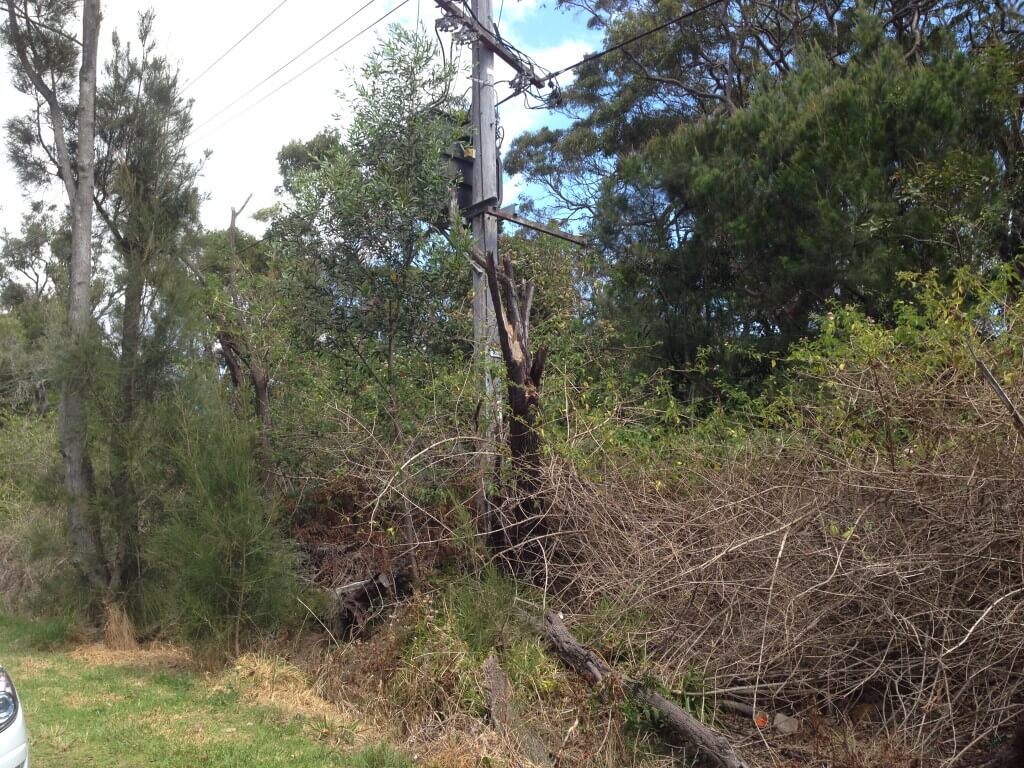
[596, 671]
[498, 692]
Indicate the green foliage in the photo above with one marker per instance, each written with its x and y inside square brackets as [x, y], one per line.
[21, 634]
[31, 278]
[641, 720]
[482, 610]
[225, 574]
[929, 341]
[733, 206]
[380, 756]
[438, 672]
[470, 618]
[826, 187]
[36, 577]
[146, 186]
[55, 57]
[373, 284]
[535, 674]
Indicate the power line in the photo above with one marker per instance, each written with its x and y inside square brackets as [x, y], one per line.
[641, 36]
[316, 63]
[240, 40]
[284, 66]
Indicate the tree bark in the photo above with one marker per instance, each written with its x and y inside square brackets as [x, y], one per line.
[261, 395]
[77, 175]
[522, 536]
[229, 352]
[595, 670]
[126, 517]
[83, 528]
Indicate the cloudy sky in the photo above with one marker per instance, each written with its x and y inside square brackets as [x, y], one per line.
[244, 140]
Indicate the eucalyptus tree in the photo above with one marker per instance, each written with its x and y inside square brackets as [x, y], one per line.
[142, 186]
[44, 57]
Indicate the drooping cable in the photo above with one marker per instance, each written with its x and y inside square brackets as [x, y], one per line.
[316, 63]
[237, 43]
[635, 38]
[284, 66]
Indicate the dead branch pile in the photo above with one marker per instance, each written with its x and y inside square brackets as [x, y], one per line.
[863, 561]
[815, 573]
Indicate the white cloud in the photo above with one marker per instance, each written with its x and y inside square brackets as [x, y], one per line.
[515, 10]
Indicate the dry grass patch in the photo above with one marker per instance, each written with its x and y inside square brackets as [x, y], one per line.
[467, 742]
[270, 681]
[152, 657]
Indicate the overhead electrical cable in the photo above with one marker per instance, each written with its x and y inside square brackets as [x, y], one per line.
[287, 64]
[550, 77]
[238, 42]
[316, 63]
[635, 38]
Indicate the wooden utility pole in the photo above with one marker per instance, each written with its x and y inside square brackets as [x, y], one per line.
[485, 194]
[501, 305]
[478, 26]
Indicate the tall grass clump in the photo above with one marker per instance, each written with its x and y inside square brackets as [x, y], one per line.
[225, 573]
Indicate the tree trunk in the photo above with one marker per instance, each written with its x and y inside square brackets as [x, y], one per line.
[77, 175]
[521, 538]
[261, 395]
[231, 358]
[82, 526]
[126, 517]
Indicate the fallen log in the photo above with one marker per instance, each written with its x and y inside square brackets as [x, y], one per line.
[596, 670]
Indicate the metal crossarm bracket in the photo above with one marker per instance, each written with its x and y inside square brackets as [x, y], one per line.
[502, 51]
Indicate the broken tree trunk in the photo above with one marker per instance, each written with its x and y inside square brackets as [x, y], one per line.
[519, 539]
[595, 670]
[240, 354]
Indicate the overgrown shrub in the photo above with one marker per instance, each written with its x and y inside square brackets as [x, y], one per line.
[226, 575]
[851, 540]
[35, 575]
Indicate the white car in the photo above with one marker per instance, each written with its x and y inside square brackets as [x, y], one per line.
[13, 735]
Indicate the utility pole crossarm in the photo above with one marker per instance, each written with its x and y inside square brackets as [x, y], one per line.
[513, 218]
[500, 49]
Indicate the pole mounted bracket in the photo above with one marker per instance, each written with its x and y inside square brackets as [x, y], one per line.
[477, 209]
[509, 215]
[455, 18]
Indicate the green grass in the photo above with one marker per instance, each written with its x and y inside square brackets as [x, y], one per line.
[84, 714]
